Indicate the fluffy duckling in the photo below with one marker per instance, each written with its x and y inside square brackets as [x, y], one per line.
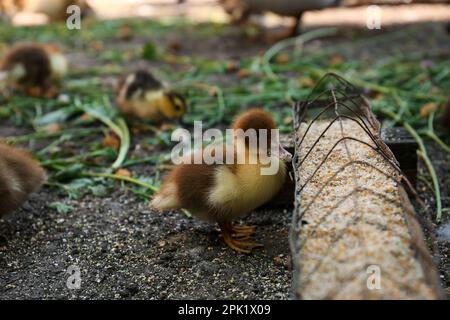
[20, 175]
[53, 10]
[33, 68]
[142, 96]
[241, 9]
[221, 193]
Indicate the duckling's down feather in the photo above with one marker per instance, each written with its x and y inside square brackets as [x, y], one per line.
[224, 192]
[218, 192]
[20, 175]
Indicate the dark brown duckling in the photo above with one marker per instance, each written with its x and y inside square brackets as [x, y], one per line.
[33, 68]
[20, 176]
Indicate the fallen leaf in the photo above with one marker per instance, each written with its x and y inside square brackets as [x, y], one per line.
[336, 60]
[282, 58]
[86, 117]
[97, 45]
[137, 129]
[232, 66]
[128, 55]
[427, 108]
[52, 128]
[123, 173]
[125, 32]
[279, 260]
[252, 31]
[174, 59]
[111, 141]
[174, 46]
[212, 92]
[306, 82]
[61, 207]
[287, 120]
[244, 73]
[378, 96]
[167, 127]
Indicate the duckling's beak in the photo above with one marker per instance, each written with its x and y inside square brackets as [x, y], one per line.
[283, 154]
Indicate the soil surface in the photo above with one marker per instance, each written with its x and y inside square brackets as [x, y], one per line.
[439, 236]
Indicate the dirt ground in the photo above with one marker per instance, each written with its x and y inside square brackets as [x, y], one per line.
[438, 237]
[124, 250]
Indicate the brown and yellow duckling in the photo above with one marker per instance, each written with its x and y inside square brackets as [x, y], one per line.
[20, 176]
[33, 68]
[141, 96]
[222, 193]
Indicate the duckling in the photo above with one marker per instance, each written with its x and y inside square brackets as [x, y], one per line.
[221, 193]
[34, 68]
[20, 175]
[142, 96]
[53, 10]
[241, 9]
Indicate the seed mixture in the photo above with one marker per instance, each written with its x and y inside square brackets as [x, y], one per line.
[354, 240]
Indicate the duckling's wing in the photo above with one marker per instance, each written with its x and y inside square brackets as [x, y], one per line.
[226, 189]
[139, 83]
[226, 186]
[145, 80]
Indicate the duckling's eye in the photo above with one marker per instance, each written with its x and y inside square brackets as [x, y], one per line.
[178, 104]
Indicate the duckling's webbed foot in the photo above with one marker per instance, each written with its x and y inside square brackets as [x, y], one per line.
[241, 231]
[237, 237]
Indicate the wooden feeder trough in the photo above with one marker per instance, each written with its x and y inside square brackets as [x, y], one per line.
[354, 233]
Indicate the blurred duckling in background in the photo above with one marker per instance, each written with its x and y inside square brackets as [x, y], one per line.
[20, 176]
[33, 68]
[41, 11]
[240, 10]
[142, 96]
[221, 193]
